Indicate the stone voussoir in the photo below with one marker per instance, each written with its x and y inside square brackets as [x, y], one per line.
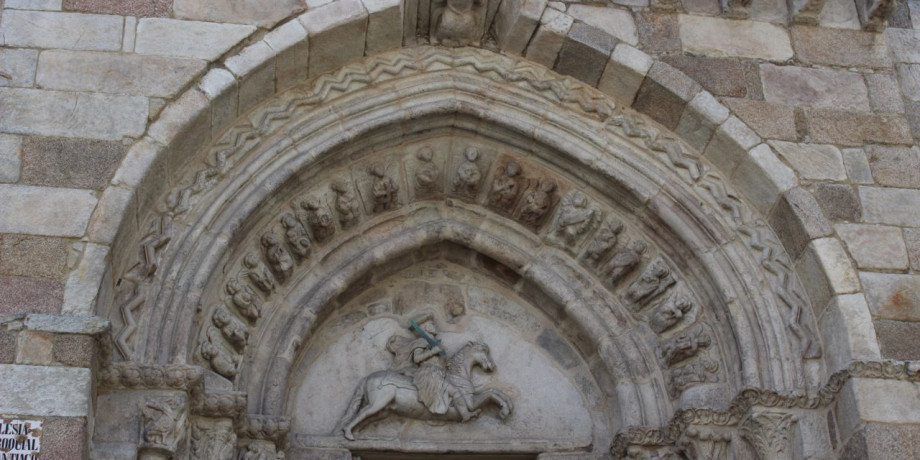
[624, 73]
[763, 177]
[547, 41]
[337, 34]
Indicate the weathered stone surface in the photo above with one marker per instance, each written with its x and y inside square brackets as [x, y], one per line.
[857, 166]
[898, 340]
[337, 34]
[904, 44]
[546, 43]
[515, 23]
[34, 348]
[812, 161]
[830, 126]
[68, 162]
[839, 201]
[705, 7]
[826, 271]
[815, 87]
[722, 37]
[257, 12]
[720, 76]
[892, 296]
[50, 5]
[45, 29]
[875, 247]
[730, 144]
[658, 33]
[385, 29]
[884, 93]
[846, 327]
[73, 350]
[585, 53]
[44, 211]
[33, 256]
[8, 340]
[116, 73]
[64, 436]
[909, 75]
[890, 205]
[17, 67]
[93, 115]
[664, 94]
[24, 295]
[769, 120]
[912, 240]
[797, 219]
[763, 177]
[10, 157]
[45, 391]
[700, 120]
[614, 21]
[189, 39]
[292, 46]
[912, 112]
[84, 281]
[840, 47]
[624, 73]
[895, 166]
[137, 8]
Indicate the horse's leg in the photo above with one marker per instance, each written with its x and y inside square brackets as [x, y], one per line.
[377, 399]
[495, 396]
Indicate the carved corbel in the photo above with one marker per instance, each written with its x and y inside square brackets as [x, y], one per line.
[771, 434]
[164, 423]
[705, 444]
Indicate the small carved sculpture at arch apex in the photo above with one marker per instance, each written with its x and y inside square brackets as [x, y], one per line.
[506, 186]
[384, 190]
[279, 259]
[296, 236]
[460, 23]
[258, 274]
[537, 203]
[427, 172]
[317, 218]
[469, 177]
[245, 300]
[346, 204]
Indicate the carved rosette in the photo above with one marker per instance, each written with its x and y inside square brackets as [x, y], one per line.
[771, 434]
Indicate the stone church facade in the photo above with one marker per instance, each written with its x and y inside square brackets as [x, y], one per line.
[459, 229]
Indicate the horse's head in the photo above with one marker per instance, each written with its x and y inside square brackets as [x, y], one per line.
[479, 354]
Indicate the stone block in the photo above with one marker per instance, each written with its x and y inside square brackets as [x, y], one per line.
[839, 201]
[188, 39]
[34, 348]
[116, 73]
[221, 87]
[826, 271]
[909, 75]
[130, 36]
[700, 119]
[814, 87]
[337, 34]
[892, 296]
[10, 158]
[137, 8]
[263, 13]
[385, 27]
[848, 332]
[585, 53]
[763, 177]
[730, 144]
[895, 166]
[658, 33]
[23, 295]
[184, 125]
[812, 161]
[87, 115]
[137, 164]
[912, 241]
[665, 94]
[73, 350]
[875, 247]
[49, 29]
[890, 205]
[723, 37]
[33, 256]
[624, 73]
[17, 67]
[797, 219]
[616, 22]
[884, 93]
[914, 9]
[904, 44]
[831, 126]
[547, 41]
[254, 67]
[516, 22]
[720, 76]
[84, 281]
[69, 162]
[291, 43]
[45, 391]
[8, 340]
[64, 437]
[840, 47]
[912, 112]
[898, 339]
[769, 120]
[115, 206]
[887, 401]
[45, 211]
[49, 5]
[857, 166]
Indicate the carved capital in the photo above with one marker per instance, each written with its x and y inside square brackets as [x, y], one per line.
[704, 443]
[164, 422]
[770, 433]
[213, 439]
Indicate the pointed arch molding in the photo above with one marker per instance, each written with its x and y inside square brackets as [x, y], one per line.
[642, 183]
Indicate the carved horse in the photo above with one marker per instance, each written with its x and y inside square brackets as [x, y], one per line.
[392, 391]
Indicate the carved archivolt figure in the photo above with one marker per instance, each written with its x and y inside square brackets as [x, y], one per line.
[685, 346]
[385, 191]
[244, 299]
[670, 313]
[506, 186]
[221, 361]
[457, 24]
[234, 331]
[537, 202]
[318, 218]
[468, 174]
[625, 261]
[345, 203]
[426, 175]
[575, 218]
[261, 451]
[296, 236]
[654, 280]
[279, 259]
[258, 274]
[604, 241]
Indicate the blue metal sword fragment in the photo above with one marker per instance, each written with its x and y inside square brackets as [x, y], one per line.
[431, 341]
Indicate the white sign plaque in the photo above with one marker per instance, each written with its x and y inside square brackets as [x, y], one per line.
[20, 439]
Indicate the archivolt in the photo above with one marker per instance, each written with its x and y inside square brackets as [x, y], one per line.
[689, 212]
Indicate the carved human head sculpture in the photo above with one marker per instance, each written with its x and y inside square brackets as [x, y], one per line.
[311, 203]
[288, 221]
[512, 169]
[424, 154]
[251, 261]
[233, 286]
[471, 154]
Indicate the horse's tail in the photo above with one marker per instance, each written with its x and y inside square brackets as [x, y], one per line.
[354, 405]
